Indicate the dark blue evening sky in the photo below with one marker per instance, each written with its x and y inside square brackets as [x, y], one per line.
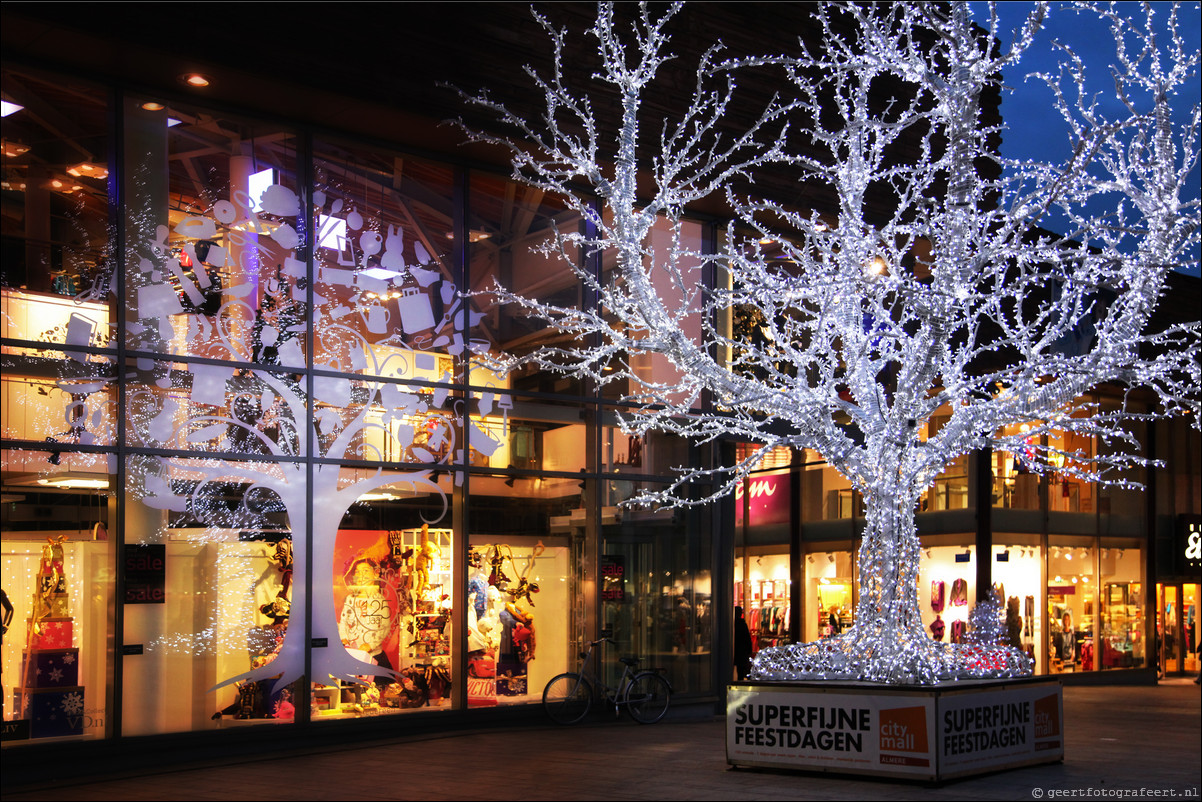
[1035, 130]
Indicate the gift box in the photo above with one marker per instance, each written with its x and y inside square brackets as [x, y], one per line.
[51, 668]
[56, 633]
[511, 686]
[59, 605]
[52, 712]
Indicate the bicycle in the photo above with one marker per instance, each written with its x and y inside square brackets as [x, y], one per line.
[568, 697]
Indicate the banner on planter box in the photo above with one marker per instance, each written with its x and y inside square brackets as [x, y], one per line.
[831, 731]
[911, 733]
[999, 728]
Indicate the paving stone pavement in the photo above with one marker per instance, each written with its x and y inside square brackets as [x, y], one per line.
[1128, 741]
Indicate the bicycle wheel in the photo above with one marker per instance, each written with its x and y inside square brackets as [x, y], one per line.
[647, 697]
[567, 698]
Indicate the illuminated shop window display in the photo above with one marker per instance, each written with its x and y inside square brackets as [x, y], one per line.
[763, 589]
[831, 592]
[947, 587]
[1016, 569]
[1072, 604]
[1122, 629]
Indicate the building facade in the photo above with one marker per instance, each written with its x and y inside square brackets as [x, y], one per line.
[255, 475]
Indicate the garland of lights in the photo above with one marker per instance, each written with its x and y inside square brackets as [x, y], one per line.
[862, 329]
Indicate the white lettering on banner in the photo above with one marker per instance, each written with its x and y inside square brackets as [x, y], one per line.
[1193, 546]
[760, 487]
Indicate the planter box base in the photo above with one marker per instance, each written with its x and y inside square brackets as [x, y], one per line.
[925, 733]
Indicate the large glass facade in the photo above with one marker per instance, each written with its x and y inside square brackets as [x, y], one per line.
[259, 465]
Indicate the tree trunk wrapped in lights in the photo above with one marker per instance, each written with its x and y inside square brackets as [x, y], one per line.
[870, 321]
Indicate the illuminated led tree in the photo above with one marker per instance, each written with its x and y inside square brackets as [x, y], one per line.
[867, 321]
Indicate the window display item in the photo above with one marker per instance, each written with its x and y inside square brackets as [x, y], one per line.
[49, 695]
[959, 595]
[937, 596]
[937, 628]
[958, 628]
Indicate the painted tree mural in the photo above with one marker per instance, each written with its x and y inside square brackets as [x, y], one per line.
[224, 406]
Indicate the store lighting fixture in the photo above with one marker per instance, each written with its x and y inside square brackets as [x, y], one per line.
[13, 149]
[69, 480]
[472, 236]
[88, 170]
[382, 495]
[830, 557]
[1084, 554]
[810, 559]
[150, 105]
[195, 79]
[7, 107]
[928, 553]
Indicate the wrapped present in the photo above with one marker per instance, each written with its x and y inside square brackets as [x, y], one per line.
[51, 668]
[52, 712]
[59, 606]
[511, 686]
[55, 633]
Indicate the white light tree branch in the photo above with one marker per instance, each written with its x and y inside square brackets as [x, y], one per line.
[874, 318]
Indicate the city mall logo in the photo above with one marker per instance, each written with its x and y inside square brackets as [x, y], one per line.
[1047, 717]
[904, 729]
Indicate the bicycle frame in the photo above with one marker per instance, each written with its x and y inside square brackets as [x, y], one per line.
[645, 694]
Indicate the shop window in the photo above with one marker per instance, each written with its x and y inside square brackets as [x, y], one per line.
[830, 591]
[1122, 631]
[58, 571]
[1073, 604]
[1016, 568]
[394, 594]
[947, 588]
[763, 589]
[521, 628]
[1189, 610]
[665, 615]
[56, 323]
[525, 604]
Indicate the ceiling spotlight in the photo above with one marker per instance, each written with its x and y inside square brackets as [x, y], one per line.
[830, 557]
[150, 105]
[810, 559]
[195, 79]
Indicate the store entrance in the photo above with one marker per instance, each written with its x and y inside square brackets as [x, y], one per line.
[1177, 627]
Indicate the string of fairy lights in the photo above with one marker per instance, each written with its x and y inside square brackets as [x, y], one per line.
[860, 328]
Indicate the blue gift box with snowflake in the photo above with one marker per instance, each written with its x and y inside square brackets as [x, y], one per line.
[53, 712]
[52, 668]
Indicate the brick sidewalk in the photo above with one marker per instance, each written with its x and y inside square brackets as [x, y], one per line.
[1117, 739]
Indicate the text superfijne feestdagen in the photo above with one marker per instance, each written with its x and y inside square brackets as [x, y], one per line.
[826, 729]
